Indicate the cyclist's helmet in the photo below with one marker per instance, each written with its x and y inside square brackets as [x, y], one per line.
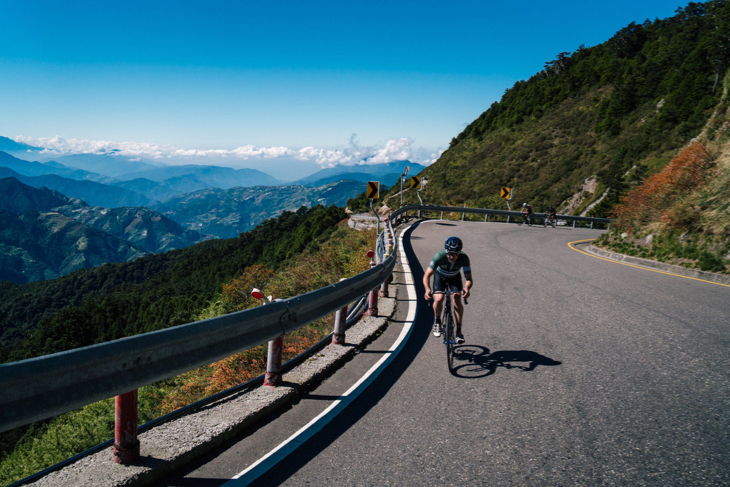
[524, 204]
[453, 244]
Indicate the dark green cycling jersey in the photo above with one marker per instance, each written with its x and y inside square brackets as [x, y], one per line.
[441, 264]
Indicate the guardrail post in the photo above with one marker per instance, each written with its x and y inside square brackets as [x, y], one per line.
[273, 363]
[384, 286]
[442, 214]
[573, 223]
[126, 444]
[372, 303]
[338, 336]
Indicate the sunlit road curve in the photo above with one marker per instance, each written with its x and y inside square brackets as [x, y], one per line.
[576, 371]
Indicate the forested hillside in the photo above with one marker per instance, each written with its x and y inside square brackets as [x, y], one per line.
[616, 112]
[154, 292]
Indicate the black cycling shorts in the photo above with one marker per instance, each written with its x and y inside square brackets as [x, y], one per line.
[440, 282]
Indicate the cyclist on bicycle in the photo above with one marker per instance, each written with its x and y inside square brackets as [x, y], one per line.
[551, 212]
[526, 211]
[446, 268]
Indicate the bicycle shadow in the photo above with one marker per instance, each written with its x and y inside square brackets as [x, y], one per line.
[476, 361]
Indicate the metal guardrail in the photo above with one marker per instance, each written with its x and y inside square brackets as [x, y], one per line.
[43, 387]
[505, 213]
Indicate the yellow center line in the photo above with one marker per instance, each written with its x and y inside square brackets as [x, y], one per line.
[570, 244]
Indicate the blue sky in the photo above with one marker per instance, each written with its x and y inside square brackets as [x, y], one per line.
[284, 85]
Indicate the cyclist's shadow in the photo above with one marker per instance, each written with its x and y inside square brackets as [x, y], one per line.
[475, 361]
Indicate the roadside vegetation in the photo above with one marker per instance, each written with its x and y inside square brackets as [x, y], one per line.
[679, 215]
[343, 254]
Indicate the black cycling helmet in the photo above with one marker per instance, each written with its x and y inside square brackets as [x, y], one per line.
[453, 244]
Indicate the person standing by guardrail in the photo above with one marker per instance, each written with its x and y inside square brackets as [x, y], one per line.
[446, 267]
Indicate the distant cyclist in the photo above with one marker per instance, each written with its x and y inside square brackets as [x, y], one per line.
[527, 211]
[551, 213]
[446, 268]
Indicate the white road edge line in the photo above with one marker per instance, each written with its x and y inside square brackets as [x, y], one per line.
[266, 462]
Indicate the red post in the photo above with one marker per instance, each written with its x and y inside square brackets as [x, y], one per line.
[273, 363]
[338, 336]
[126, 444]
[372, 303]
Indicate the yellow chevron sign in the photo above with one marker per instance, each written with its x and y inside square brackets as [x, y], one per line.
[415, 182]
[505, 193]
[373, 190]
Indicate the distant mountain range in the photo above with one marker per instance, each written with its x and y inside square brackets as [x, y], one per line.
[83, 210]
[96, 194]
[226, 213]
[387, 174]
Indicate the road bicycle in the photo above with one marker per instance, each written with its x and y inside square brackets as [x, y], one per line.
[448, 327]
[525, 219]
[549, 220]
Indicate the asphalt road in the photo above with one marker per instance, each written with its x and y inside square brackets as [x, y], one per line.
[575, 371]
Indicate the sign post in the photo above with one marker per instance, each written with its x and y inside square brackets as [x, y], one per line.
[402, 177]
[508, 194]
[372, 194]
[421, 184]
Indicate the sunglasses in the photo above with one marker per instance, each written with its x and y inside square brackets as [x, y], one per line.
[452, 254]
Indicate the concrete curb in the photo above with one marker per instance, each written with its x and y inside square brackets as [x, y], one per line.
[653, 264]
[174, 444]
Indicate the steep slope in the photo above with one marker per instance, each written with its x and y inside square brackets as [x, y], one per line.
[36, 246]
[145, 228]
[680, 214]
[46, 234]
[18, 197]
[614, 112]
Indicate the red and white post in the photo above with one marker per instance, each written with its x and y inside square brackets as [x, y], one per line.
[273, 363]
[273, 359]
[126, 444]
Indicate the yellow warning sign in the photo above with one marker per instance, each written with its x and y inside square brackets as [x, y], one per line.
[373, 190]
[415, 182]
[505, 193]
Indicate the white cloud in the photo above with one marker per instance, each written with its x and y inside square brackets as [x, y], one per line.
[397, 149]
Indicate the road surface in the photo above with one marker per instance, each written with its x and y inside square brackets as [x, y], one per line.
[575, 371]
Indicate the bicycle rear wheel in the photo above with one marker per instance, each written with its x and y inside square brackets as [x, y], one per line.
[449, 338]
